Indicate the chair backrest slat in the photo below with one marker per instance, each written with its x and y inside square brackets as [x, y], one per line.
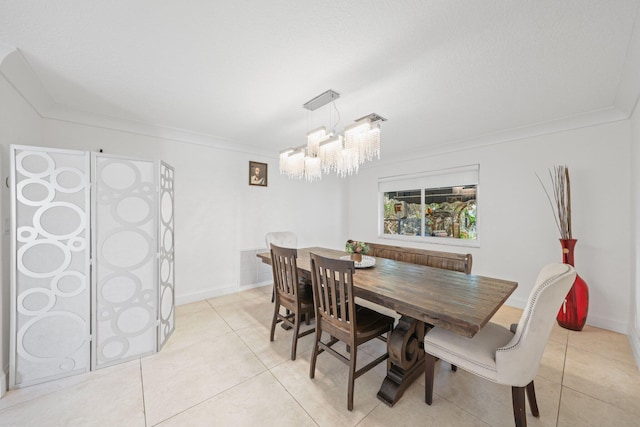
[285, 270]
[333, 291]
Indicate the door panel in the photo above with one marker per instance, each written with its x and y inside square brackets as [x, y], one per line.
[125, 261]
[50, 299]
[166, 262]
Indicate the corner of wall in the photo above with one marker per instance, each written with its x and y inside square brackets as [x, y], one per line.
[629, 87]
[15, 68]
[634, 340]
[5, 50]
[3, 381]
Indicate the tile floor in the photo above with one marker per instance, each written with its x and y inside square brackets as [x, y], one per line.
[219, 368]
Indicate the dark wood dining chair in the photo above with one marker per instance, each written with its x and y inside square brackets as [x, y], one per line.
[290, 294]
[506, 356]
[284, 239]
[338, 315]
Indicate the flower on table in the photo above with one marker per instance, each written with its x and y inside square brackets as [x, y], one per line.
[356, 247]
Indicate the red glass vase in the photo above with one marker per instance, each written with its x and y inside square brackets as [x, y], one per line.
[574, 309]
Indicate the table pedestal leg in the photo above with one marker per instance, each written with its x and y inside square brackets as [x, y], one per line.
[406, 354]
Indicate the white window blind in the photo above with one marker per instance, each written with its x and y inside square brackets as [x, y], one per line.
[464, 175]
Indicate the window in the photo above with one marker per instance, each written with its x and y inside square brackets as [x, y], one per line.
[433, 205]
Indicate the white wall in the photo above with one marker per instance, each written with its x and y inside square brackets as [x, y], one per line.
[217, 213]
[19, 124]
[516, 227]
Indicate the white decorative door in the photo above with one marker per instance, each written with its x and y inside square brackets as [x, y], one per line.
[166, 252]
[50, 303]
[125, 281]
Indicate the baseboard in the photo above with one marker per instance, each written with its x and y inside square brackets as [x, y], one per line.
[212, 293]
[608, 324]
[516, 302]
[595, 321]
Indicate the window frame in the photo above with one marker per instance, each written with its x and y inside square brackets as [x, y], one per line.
[448, 177]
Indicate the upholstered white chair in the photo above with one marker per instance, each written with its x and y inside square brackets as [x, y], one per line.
[284, 239]
[500, 355]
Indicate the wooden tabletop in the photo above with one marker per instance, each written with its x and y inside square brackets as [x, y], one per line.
[462, 303]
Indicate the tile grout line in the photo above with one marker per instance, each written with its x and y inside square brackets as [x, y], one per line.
[274, 377]
[227, 389]
[292, 396]
[463, 409]
[144, 404]
[564, 366]
[582, 392]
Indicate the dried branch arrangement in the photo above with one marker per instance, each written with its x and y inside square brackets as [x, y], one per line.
[561, 203]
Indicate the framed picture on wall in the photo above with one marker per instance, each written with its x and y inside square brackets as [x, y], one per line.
[258, 174]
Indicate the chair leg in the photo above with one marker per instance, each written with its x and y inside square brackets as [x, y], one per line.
[352, 372]
[519, 413]
[276, 309]
[286, 325]
[429, 373]
[296, 330]
[314, 355]
[388, 340]
[533, 404]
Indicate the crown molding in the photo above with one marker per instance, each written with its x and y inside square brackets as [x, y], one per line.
[629, 86]
[593, 118]
[17, 71]
[70, 115]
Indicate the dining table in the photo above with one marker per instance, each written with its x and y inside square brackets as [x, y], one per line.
[424, 297]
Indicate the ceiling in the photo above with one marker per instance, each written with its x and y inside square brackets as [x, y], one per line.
[237, 72]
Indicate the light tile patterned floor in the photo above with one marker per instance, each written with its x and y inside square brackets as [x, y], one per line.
[219, 368]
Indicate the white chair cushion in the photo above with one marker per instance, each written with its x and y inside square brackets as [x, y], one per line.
[475, 355]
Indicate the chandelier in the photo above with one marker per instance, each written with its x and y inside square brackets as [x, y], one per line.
[328, 152]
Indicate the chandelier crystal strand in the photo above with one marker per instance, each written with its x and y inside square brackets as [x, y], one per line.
[314, 138]
[295, 164]
[347, 163]
[284, 156]
[373, 143]
[312, 169]
[328, 153]
[355, 139]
